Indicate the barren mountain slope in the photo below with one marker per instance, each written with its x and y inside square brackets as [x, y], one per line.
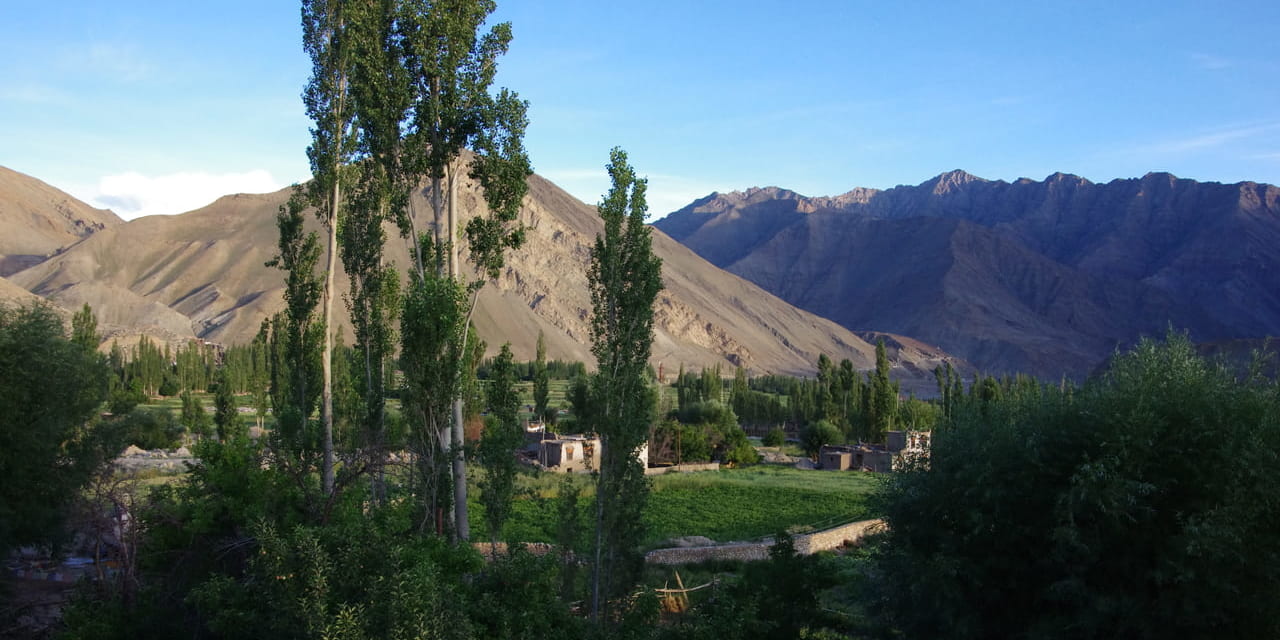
[11, 293]
[202, 272]
[1045, 277]
[199, 274]
[38, 220]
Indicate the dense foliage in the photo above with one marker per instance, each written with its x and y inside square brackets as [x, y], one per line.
[702, 431]
[51, 441]
[624, 279]
[497, 450]
[1140, 506]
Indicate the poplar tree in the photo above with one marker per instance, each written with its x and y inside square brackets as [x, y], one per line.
[326, 38]
[51, 442]
[194, 417]
[541, 379]
[624, 278]
[295, 341]
[502, 436]
[380, 92]
[884, 396]
[449, 66]
[430, 349]
[84, 329]
[826, 380]
[738, 392]
[225, 413]
[949, 381]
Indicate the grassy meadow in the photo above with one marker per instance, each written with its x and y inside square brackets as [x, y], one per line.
[727, 505]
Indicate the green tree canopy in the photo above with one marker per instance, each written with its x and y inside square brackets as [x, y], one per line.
[1141, 506]
[625, 278]
[50, 440]
[541, 379]
[502, 436]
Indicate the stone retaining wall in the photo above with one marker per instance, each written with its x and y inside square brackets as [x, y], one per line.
[806, 544]
[683, 468]
[743, 551]
[836, 536]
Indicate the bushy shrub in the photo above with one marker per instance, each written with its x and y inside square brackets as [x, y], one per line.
[1141, 506]
[814, 435]
[149, 429]
[776, 437]
[681, 443]
[169, 387]
[740, 453]
[711, 413]
[123, 398]
[705, 431]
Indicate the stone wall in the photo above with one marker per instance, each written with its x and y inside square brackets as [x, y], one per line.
[836, 536]
[806, 544]
[683, 468]
[744, 551]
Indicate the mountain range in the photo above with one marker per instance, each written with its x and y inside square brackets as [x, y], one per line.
[201, 274]
[1045, 277]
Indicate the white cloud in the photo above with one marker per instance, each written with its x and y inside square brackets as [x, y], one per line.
[133, 195]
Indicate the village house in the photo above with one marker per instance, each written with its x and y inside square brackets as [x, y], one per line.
[900, 447]
[577, 454]
[858, 457]
[570, 454]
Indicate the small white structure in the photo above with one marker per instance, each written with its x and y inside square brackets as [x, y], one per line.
[570, 454]
[578, 454]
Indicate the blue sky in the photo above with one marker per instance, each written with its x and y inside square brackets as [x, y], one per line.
[151, 107]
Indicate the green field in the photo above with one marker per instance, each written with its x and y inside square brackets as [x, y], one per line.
[728, 505]
[752, 502]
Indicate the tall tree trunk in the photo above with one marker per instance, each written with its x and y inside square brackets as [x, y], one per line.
[374, 442]
[597, 569]
[326, 357]
[414, 245]
[462, 525]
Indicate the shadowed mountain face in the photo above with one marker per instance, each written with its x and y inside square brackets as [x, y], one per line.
[202, 274]
[38, 220]
[1043, 277]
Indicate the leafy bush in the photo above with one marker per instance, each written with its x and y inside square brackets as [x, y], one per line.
[735, 448]
[777, 598]
[1142, 506]
[813, 436]
[679, 443]
[151, 429]
[51, 443]
[124, 398]
[169, 387]
[710, 413]
[705, 431]
[774, 438]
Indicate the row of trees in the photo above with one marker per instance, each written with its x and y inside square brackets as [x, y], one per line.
[861, 406]
[399, 91]
[251, 543]
[399, 96]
